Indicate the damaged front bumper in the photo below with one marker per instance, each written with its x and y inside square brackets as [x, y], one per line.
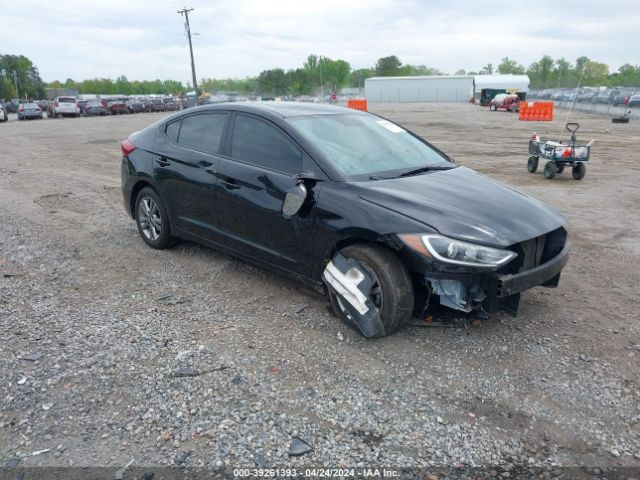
[493, 291]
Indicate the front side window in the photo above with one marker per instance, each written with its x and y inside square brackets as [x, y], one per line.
[258, 143]
[363, 145]
[202, 132]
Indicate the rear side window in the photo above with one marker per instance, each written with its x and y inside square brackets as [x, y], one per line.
[201, 132]
[172, 130]
[263, 145]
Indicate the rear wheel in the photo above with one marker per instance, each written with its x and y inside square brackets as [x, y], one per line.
[550, 170]
[579, 170]
[152, 219]
[392, 290]
[532, 164]
[560, 168]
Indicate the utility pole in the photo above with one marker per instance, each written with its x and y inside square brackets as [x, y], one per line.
[15, 80]
[185, 11]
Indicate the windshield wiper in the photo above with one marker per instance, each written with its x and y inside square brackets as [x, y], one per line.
[426, 168]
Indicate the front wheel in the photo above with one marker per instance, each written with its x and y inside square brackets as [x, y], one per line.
[550, 170]
[579, 170]
[391, 293]
[532, 164]
[493, 108]
[152, 219]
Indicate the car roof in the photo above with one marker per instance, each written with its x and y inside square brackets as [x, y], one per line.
[280, 109]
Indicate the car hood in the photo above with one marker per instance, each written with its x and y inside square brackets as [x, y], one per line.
[466, 205]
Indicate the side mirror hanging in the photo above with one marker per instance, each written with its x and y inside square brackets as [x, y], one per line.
[294, 200]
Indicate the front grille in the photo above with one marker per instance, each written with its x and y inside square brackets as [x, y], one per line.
[536, 251]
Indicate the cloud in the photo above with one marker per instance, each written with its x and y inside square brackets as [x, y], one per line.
[145, 39]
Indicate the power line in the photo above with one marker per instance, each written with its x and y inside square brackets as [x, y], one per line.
[185, 11]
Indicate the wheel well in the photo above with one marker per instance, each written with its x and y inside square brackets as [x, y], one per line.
[134, 194]
[346, 242]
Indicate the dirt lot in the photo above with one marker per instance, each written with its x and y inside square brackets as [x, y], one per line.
[115, 321]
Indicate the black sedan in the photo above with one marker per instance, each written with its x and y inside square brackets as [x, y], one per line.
[95, 108]
[345, 201]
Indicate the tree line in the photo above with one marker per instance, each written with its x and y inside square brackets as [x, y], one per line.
[318, 74]
[17, 71]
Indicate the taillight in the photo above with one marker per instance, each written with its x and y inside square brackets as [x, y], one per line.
[21, 108]
[127, 147]
[55, 104]
[37, 109]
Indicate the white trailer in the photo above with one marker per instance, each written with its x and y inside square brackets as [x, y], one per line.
[432, 88]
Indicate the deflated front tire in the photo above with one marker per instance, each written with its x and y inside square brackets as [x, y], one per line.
[389, 292]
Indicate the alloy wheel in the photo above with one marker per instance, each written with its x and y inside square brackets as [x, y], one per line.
[149, 218]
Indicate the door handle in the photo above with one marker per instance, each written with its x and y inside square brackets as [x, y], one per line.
[163, 162]
[229, 183]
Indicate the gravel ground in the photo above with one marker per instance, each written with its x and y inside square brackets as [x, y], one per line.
[112, 351]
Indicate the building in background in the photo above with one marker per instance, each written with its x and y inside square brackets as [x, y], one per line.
[440, 88]
[60, 92]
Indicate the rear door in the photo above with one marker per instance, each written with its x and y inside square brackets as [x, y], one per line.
[185, 167]
[259, 168]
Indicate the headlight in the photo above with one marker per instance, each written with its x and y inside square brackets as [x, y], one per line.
[457, 252]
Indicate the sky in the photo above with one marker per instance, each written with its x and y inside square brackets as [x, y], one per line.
[145, 39]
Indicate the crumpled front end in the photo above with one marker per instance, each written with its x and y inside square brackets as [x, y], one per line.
[539, 262]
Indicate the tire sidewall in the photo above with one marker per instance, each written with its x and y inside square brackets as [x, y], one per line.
[579, 170]
[550, 170]
[165, 235]
[395, 283]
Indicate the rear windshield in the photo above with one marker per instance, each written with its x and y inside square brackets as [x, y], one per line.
[67, 100]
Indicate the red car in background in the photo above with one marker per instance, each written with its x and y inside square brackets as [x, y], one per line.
[505, 101]
[118, 106]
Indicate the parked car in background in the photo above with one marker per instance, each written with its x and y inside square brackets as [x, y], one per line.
[81, 105]
[63, 107]
[12, 106]
[4, 115]
[505, 101]
[634, 100]
[170, 105]
[135, 105]
[117, 106]
[95, 108]
[603, 96]
[345, 201]
[621, 97]
[586, 96]
[28, 111]
[43, 104]
[155, 105]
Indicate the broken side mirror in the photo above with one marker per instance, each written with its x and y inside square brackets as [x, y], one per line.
[294, 199]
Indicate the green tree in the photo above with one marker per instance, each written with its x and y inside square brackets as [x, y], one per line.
[388, 66]
[19, 69]
[357, 77]
[508, 65]
[487, 69]
[595, 74]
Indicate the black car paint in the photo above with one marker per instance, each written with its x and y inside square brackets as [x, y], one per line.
[220, 202]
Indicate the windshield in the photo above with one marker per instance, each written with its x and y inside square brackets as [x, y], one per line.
[361, 146]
